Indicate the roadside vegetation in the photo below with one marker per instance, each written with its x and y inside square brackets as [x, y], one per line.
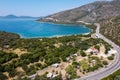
[114, 76]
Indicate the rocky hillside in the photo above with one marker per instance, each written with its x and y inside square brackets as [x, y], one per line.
[92, 12]
[111, 29]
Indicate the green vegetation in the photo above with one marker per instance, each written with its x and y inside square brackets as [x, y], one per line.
[105, 62]
[114, 76]
[82, 53]
[111, 57]
[2, 76]
[84, 65]
[45, 50]
[71, 72]
[90, 64]
[7, 38]
[5, 57]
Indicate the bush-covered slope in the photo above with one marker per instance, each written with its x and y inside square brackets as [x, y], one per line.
[111, 29]
[6, 38]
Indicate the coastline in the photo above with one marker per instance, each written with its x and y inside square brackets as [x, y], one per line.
[57, 36]
[67, 24]
[54, 36]
[80, 29]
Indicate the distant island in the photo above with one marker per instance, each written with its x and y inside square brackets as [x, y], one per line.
[14, 16]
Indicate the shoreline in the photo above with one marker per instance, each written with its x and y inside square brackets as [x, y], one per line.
[54, 36]
[87, 31]
[68, 24]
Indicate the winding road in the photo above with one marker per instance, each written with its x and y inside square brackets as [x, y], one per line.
[110, 68]
[97, 75]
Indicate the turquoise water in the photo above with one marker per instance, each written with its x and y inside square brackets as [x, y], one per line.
[29, 28]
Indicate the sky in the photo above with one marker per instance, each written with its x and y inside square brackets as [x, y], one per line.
[37, 8]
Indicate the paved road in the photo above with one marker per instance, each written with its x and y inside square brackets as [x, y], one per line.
[97, 75]
[111, 68]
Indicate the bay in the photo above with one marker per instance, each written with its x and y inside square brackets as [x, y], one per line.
[30, 28]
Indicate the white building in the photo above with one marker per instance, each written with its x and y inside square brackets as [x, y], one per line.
[93, 50]
[75, 54]
[51, 75]
[68, 58]
[55, 65]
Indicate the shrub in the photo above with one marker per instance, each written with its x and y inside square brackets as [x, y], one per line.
[105, 62]
[110, 57]
[82, 53]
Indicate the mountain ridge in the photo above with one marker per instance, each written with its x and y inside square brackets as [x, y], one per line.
[93, 12]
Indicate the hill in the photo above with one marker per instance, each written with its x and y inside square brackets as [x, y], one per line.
[107, 13]
[10, 16]
[93, 12]
[111, 29]
[14, 16]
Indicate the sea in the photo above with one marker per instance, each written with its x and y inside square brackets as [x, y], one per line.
[30, 28]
